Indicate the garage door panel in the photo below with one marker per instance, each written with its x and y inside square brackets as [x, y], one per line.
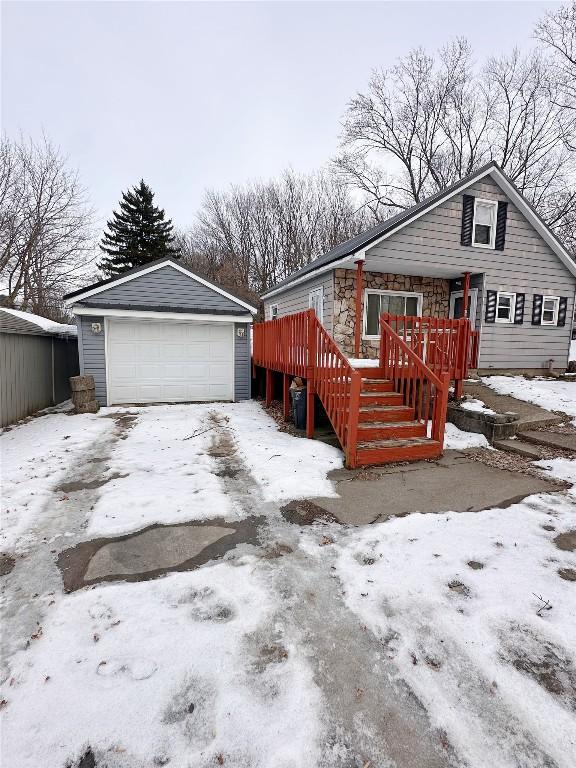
[164, 361]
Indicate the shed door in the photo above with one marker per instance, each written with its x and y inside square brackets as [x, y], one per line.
[151, 361]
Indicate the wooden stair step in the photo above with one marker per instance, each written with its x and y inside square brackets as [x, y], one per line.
[388, 451]
[389, 430]
[387, 413]
[377, 385]
[381, 398]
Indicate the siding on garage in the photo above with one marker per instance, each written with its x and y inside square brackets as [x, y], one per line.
[93, 357]
[295, 299]
[526, 265]
[165, 288]
[242, 362]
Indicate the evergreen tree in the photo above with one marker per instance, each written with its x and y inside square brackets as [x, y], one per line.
[137, 235]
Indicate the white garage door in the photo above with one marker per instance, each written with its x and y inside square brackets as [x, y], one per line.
[168, 362]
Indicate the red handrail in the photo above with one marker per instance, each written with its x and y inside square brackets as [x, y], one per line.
[422, 389]
[446, 345]
[300, 346]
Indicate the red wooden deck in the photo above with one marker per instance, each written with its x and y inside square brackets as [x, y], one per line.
[395, 412]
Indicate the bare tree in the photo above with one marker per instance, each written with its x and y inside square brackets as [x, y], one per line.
[428, 121]
[46, 241]
[557, 31]
[249, 237]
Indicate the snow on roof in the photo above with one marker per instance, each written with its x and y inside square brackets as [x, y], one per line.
[42, 322]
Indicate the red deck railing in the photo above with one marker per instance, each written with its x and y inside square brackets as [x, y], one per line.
[420, 355]
[422, 389]
[299, 345]
[446, 346]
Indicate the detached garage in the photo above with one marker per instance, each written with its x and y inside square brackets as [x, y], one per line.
[162, 334]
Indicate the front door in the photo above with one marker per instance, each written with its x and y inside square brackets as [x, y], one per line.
[457, 304]
[316, 302]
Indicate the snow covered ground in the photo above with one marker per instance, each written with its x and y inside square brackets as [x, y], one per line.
[547, 393]
[452, 598]
[288, 652]
[473, 404]
[162, 673]
[35, 457]
[459, 440]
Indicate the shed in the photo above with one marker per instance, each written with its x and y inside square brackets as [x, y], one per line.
[37, 357]
[163, 334]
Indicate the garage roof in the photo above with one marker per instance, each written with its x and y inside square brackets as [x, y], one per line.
[130, 274]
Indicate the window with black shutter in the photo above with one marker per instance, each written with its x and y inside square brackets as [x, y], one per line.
[562, 309]
[501, 216]
[467, 219]
[491, 297]
[537, 309]
[519, 309]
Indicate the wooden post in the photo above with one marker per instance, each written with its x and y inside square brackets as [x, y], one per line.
[310, 373]
[310, 409]
[269, 386]
[441, 409]
[358, 324]
[353, 413]
[465, 292]
[463, 340]
[286, 396]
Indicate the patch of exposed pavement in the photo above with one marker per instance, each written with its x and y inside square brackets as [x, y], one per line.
[566, 541]
[153, 551]
[7, 563]
[542, 661]
[305, 512]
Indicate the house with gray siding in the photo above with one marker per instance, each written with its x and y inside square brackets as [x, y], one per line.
[478, 239]
[163, 334]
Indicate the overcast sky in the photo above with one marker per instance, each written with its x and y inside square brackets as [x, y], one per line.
[194, 95]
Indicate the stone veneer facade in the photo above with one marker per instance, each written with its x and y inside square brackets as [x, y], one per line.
[435, 302]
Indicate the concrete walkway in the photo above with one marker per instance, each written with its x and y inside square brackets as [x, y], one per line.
[531, 416]
[454, 482]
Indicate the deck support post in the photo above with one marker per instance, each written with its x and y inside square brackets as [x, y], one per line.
[310, 392]
[358, 322]
[286, 396]
[464, 338]
[269, 386]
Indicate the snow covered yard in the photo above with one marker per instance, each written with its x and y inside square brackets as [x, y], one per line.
[551, 394]
[453, 599]
[414, 642]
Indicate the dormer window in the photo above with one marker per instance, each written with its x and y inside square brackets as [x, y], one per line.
[484, 228]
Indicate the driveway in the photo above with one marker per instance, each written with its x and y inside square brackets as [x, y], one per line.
[167, 601]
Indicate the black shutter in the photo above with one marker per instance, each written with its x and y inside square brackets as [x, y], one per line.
[537, 309]
[491, 306]
[467, 219]
[562, 306]
[501, 226]
[519, 309]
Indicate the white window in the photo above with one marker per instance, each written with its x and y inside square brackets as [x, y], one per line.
[273, 311]
[394, 302]
[505, 306]
[316, 302]
[484, 228]
[550, 305]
